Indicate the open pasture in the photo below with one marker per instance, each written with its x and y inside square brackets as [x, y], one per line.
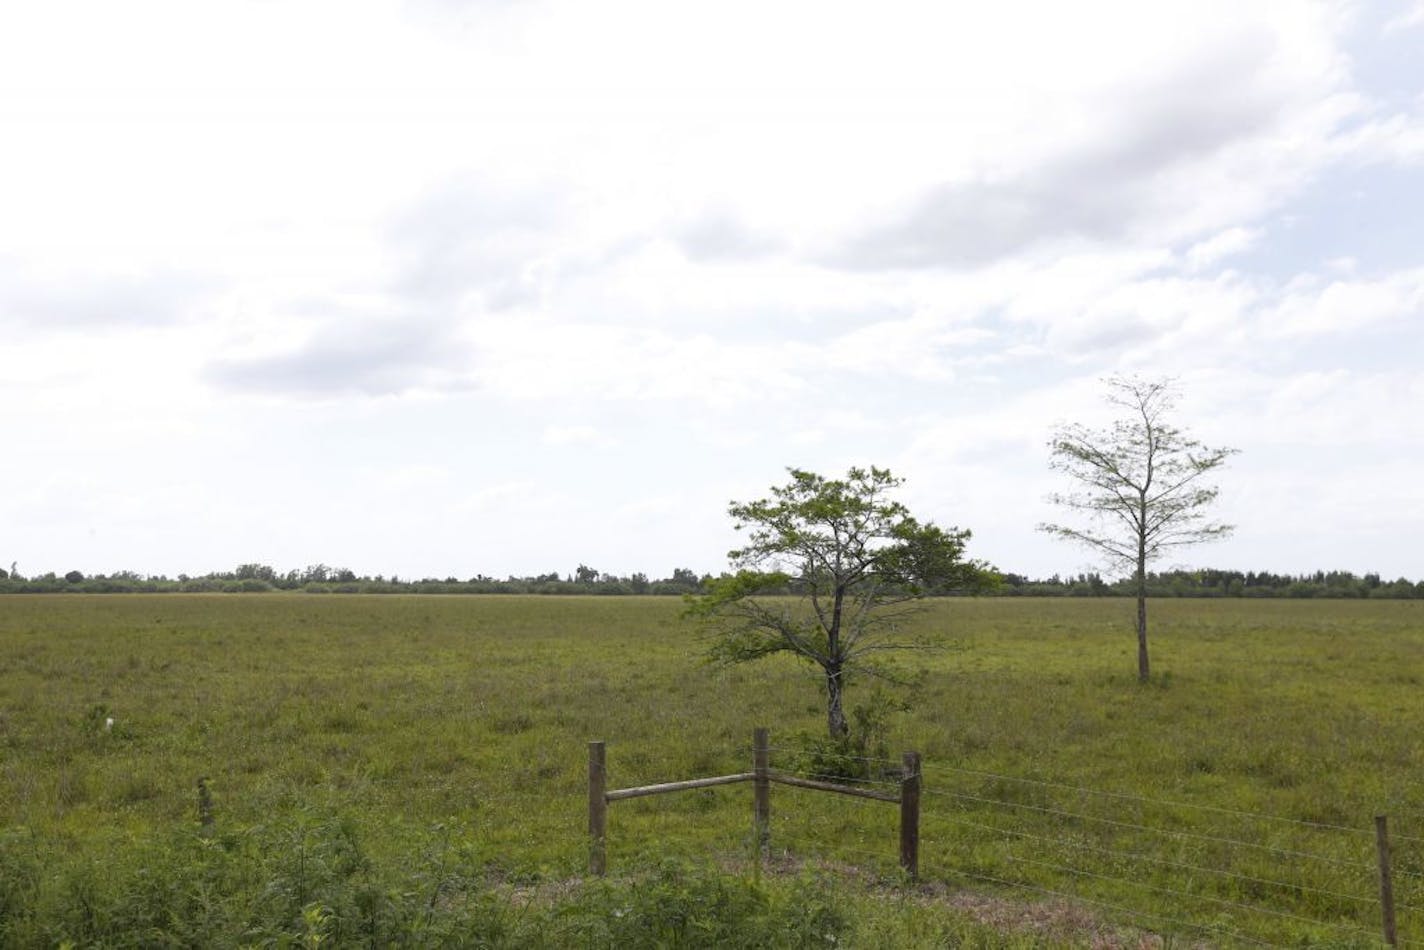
[442, 739]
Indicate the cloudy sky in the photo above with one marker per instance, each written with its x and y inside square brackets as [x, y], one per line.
[444, 287]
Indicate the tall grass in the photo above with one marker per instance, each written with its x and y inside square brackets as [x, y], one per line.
[396, 742]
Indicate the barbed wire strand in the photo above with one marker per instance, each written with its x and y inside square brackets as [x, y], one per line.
[781, 838]
[822, 849]
[1145, 799]
[1075, 898]
[841, 779]
[1161, 831]
[1136, 855]
[783, 821]
[881, 857]
[934, 792]
[1399, 872]
[1173, 892]
[1250, 908]
[1241, 813]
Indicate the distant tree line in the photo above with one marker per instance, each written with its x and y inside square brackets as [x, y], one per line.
[1218, 583]
[322, 579]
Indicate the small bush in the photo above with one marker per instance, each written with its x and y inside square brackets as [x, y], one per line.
[684, 905]
[861, 755]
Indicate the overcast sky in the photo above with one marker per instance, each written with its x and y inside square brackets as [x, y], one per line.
[443, 288]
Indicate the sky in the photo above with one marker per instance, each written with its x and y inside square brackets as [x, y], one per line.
[445, 288]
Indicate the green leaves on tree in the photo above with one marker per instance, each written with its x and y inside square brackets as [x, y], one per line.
[829, 570]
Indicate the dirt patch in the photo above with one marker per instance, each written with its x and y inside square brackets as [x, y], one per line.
[1057, 921]
[1052, 920]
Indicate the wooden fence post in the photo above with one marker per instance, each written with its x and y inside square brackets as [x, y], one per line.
[597, 810]
[1386, 882]
[761, 782]
[910, 816]
[599, 797]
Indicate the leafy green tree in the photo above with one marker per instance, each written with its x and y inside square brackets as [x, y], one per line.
[829, 571]
[254, 571]
[1139, 485]
[318, 574]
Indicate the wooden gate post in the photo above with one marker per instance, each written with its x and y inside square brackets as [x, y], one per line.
[761, 783]
[597, 810]
[910, 816]
[1386, 881]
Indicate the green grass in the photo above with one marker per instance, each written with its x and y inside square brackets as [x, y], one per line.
[428, 733]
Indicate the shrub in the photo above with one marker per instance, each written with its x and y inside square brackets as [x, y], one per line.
[686, 905]
[860, 755]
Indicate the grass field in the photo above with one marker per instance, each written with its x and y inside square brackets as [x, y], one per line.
[421, 761]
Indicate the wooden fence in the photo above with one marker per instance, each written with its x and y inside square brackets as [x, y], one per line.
[762, 778]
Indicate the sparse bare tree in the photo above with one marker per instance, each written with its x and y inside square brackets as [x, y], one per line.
[1139, 484]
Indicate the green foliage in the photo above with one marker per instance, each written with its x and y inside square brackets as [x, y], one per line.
[1215, 582]
[296, 883]
[259, 578]
[744, 642]
[310, 886]
[853, 559]
[863, 753]
[680, 904]
[321, 579]
[848, 534]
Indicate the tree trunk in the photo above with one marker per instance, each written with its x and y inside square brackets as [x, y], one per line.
[835, 715]
[1141, 578]
[1142, 666]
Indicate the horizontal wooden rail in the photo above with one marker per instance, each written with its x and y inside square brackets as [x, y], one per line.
[641, 790]
[907, 796]
[832, 787]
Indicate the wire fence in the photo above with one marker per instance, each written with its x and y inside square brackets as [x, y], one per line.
[1227, 873]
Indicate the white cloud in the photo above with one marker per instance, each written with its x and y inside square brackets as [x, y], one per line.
[575, 435]
[1411, 18]
[1396, 138]
[522, 494]
[1220, 246]
[411, 477]
[1310, 306]
[496, 264]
